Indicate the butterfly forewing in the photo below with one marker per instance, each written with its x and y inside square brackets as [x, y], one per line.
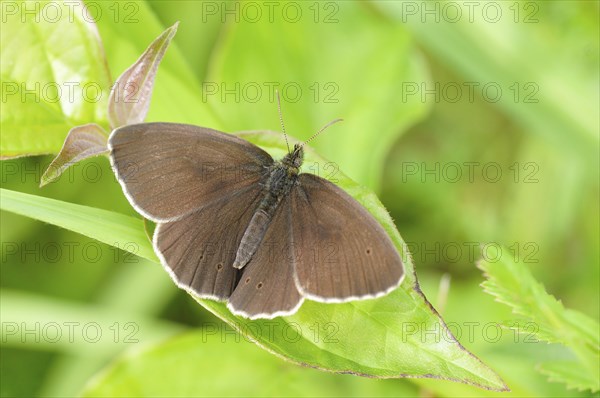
[267, 288]
[341, 251]
[169, 170]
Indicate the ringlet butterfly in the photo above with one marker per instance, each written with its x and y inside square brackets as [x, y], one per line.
[234, 225]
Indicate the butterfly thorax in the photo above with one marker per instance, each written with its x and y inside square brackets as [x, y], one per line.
[282, 177]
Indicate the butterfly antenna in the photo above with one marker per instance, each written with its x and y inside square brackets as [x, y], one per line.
[321, 130]
[281, 120]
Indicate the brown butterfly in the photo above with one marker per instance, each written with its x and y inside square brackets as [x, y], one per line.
[235, 225]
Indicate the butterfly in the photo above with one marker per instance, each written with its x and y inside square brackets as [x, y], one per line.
[235, 225]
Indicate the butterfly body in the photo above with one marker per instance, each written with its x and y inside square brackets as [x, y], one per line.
[282, 177]
[258, 233]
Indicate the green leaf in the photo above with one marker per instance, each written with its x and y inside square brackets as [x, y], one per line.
[189, 362]
[339, 61]
[82, 142]
[114, 229]
[399, 335]
[513, 285]
[130, 96]
[54, 76]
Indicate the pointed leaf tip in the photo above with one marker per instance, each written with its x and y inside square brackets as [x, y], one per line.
[130, 96]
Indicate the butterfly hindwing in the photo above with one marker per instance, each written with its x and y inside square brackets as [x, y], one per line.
[266, 287]
[169, 170]
[342, 252]
[198, 250]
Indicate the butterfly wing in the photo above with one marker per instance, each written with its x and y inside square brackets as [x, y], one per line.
[266, 288]
[198, 250]
[342, 253]
[169, 170]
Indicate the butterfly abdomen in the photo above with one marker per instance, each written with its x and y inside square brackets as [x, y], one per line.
[252, 237]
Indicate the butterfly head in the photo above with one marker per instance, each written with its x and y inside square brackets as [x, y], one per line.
[294, 159]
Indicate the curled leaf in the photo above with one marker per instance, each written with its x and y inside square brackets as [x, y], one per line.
[128, 103]
[130, 96]
[81, 143]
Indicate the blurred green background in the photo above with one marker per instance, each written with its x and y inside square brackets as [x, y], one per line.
[508, 101]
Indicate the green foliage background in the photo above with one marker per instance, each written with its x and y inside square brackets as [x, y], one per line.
[548, 223]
